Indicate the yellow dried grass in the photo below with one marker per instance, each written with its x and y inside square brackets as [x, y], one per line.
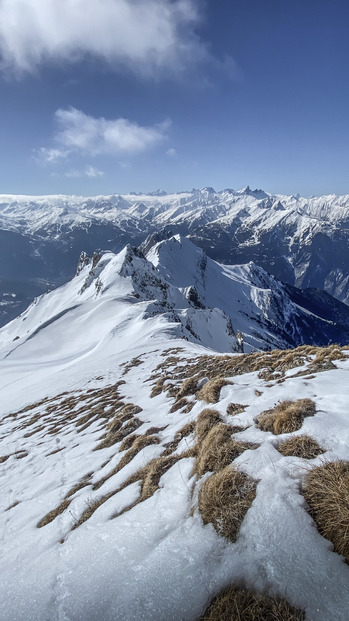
[218, 449]
[300, 446]
[326, 490]
[224, 499]
[238, 604]
[286, 417]
[210, 391]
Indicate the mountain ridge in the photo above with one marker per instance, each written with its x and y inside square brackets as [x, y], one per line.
[303, 242]
[192, 296]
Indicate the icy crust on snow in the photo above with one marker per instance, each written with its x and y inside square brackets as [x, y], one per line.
[156, 561]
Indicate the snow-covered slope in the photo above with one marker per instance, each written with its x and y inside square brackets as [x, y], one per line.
[178, 287]
[100, 510]
[302, 241]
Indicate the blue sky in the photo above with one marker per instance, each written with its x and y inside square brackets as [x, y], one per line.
[103, 96]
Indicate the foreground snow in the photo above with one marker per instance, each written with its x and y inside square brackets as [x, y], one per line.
[157, 560]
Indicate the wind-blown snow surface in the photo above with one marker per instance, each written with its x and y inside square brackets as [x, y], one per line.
[301, 241]
[156, 561]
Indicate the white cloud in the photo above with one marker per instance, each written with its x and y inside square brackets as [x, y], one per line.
[87, 135]
[171, 152]
[89, 171]
[48, 155]
[144, 36]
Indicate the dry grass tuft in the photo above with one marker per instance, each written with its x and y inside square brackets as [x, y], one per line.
[21, 454]
[14, 504]
[210, 391]
[135, 362]
[91, 508]
[159, 386]
[185, 431]
[189, 387]
[286, 417]
[127, 442]
[218, 449]
[238, 604]
[152, 474]
[49, 517]
[78, 486]
[224, 499]
[178, 405]
[235, 408]
[300, 446]
[207, 419]
[4, 458]
[326, 490]
[139, 443]
[149, 477]
[120, 427]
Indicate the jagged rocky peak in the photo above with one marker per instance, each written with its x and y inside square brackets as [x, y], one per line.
[193, 297]
[84, 260]
[154, 239]
[257, 193]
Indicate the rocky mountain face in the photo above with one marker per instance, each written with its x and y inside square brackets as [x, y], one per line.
[175, 287]
[303, 242]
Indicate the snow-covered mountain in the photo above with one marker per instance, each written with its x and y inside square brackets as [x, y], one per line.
[302, 241]
[190, 295]
[139, 474]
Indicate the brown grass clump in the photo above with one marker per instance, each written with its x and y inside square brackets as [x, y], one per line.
[188, 387]
[286, 417]
[218, 449]
[117, 432]
[49, 517]
[185, 431]
[117, 421]
[326, 491]
[238, 604]
[78, 486]
[127, 442]
[235, 408]
[92, 507]
[14, 504]
[152, 474]
[4, 458]
[135, 362]
[159, 386]
[271, 364]
[207, 419]
[210, 391]
[149, 477]
[300, 446]
[139, 443]
[178, 405]
[224, 500]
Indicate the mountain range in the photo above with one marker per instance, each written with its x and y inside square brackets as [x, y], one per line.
[303, 242]
[171, 425]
